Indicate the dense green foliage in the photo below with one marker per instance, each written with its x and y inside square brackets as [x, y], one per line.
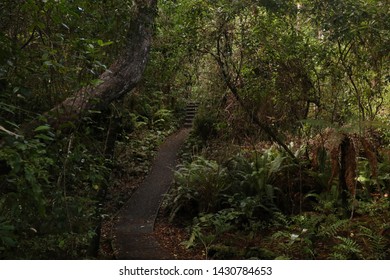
[312, 76]
[290, 146]
[262, 205]
[54, 181]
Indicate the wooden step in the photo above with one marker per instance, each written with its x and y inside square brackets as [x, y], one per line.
[191, 111]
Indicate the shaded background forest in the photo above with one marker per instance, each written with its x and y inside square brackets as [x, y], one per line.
[289, 155]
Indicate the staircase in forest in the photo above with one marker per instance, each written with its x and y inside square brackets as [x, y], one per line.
[191, 110]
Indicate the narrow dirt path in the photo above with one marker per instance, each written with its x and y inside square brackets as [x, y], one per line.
[133, 230]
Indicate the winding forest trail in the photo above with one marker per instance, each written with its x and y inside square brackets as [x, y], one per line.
[133, 230]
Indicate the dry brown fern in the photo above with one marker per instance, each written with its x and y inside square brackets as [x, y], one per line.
[329, 140]
[370, 155]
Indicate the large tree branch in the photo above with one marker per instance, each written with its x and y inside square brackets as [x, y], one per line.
[121, 77]
[234, 90]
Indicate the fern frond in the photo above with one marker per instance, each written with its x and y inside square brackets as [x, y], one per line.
[348, 247]
[376, 243]
[333, 229]
[280, 234]
[337, 256]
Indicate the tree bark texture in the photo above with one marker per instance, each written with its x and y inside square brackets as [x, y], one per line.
[348, 167]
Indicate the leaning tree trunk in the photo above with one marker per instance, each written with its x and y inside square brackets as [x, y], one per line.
[121, 77]
[230, 82]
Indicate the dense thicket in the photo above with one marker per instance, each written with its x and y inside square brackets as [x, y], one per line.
[77, 57]
[311, 77]
[292, 133]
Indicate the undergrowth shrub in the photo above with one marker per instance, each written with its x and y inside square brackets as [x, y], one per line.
[199, 186]
[250, 194]
[163, 119]
[205, 124]
[7, 237]
[208, 229]
[252, 177]
[49, 197]
[325, 235]
[28, 180]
